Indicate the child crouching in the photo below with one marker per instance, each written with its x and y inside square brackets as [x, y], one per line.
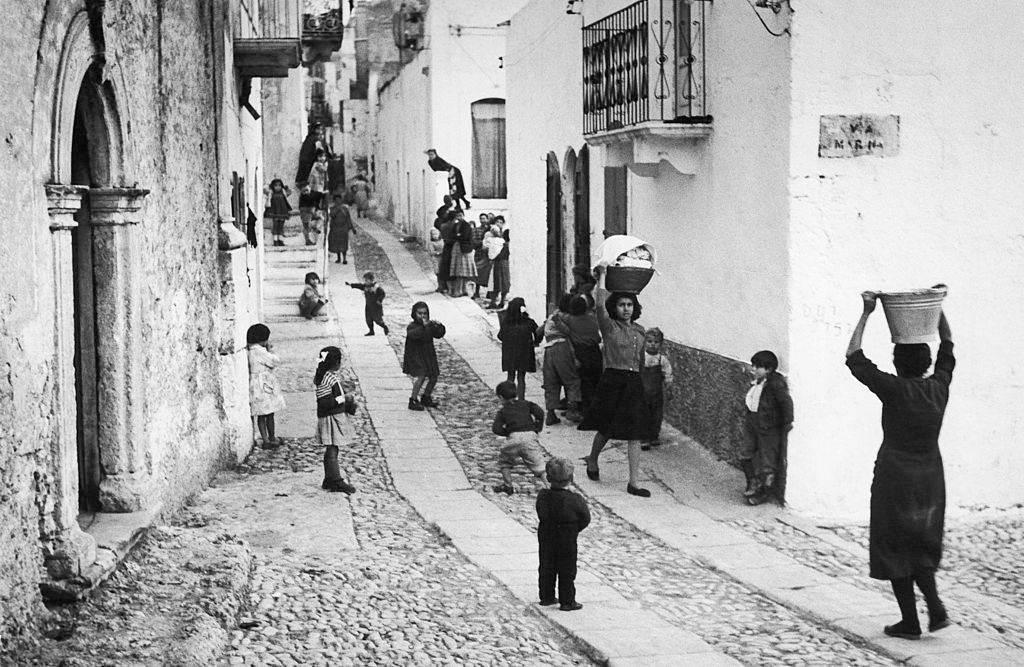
[520, 421]
[563, 514]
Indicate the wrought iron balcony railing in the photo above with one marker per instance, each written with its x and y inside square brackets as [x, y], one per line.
[645, 63]
[267, 36]
[321, 35]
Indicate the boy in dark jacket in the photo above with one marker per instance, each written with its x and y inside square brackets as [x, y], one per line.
[563, 514]
[769, 419]
[374, 295]
[519, 421]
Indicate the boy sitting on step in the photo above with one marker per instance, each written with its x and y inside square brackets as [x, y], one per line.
[520, 421]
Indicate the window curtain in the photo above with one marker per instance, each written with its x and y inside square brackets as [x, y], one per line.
[489, 175]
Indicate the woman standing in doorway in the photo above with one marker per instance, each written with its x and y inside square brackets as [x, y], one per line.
[908, 492]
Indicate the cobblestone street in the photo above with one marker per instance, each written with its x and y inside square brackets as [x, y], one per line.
[273, 571]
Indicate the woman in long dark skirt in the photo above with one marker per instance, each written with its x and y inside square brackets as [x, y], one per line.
[620, 410]
[908, 492]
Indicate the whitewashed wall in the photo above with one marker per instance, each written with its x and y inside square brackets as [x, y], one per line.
[544, 113]
[946, 208]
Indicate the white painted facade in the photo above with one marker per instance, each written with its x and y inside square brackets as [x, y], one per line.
[428, 105]
[764, 245]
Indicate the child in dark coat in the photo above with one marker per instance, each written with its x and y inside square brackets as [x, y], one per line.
[769, 420]
[518, 336]
[563, 514]
[374, 295]
[420, 357]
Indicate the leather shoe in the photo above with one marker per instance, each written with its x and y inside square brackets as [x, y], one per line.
[595, 474]
[548, 602]
[637, 491]
[936, 624]
[572, 606]
[901, 631]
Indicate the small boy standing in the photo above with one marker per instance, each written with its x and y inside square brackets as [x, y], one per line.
[563, 514]
[520, 421]
[769, 420]
[374, 295]
[656, 378]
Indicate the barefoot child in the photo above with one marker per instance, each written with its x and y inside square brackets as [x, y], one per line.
[311, 300]
[656, 377]
[265, 396]
[563, 514]
[333, 408]
[520, 421]
[420, 357]
[374, 295]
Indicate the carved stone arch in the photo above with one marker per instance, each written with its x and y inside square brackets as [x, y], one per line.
[72, 68]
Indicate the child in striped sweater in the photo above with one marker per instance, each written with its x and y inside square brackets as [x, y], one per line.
[332, 410]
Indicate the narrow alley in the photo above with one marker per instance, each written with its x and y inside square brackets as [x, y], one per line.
[425, 565]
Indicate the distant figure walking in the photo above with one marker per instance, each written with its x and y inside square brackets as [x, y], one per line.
[340, 228]
[908, 492]
[563, 514]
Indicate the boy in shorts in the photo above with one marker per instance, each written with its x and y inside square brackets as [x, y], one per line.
[520, 421]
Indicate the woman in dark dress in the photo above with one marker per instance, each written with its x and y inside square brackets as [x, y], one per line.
[340, 227]
[908, 493]
[620, 410]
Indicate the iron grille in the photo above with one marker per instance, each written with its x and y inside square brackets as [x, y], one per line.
[645, 63]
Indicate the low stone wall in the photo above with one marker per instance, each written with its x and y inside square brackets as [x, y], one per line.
[707, 402]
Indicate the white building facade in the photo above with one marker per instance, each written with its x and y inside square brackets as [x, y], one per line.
[440, 84]
[740, 162]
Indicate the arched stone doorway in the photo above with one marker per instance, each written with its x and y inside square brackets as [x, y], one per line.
[98, 440]
[556, 241]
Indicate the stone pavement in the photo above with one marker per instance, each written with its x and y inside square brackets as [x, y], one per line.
[822, 611]
[424, 565]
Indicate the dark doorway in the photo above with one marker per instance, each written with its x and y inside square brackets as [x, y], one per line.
[581, 210]
[614, 201]
[86, 367]
[556, 244]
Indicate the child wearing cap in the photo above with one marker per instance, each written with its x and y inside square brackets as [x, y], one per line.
[563, 514]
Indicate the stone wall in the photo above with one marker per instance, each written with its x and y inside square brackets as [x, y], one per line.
[707, 402]
[162, 72]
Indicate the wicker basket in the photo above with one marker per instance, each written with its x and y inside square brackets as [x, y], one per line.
[629, 279]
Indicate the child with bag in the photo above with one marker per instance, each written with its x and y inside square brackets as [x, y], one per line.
[333, 409]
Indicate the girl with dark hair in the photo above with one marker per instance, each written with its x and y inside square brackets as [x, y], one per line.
[769, 419]
[908, 492]
[620, 410]
[311, 301]
[420, 358]
[518, 335]
[265, 396]
[332, 409]
[278, 209]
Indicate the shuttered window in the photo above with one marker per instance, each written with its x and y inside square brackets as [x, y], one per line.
[489, 176]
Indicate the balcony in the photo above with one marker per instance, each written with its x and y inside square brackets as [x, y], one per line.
[321, 35]
[644, 73]
[267, 37]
